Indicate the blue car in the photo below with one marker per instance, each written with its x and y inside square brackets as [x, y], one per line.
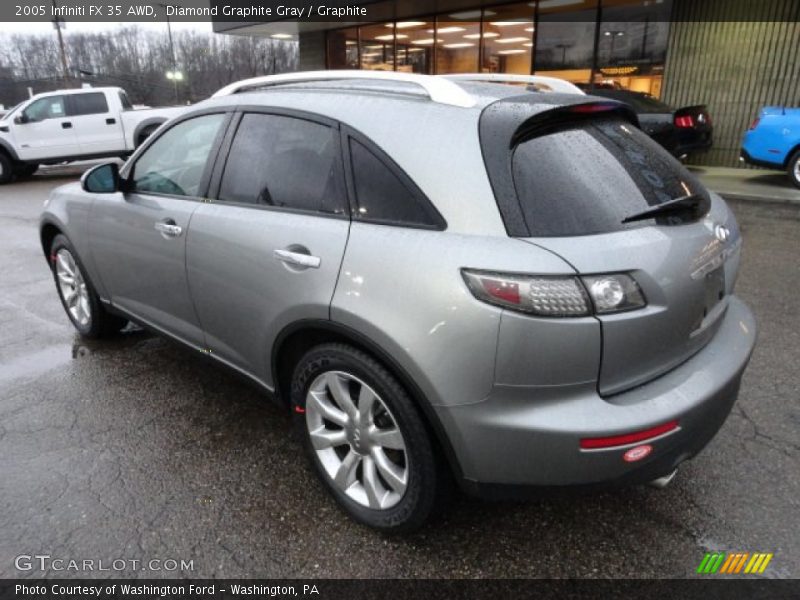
[773, 141]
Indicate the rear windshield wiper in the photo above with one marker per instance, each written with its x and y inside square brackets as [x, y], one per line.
[696, 203]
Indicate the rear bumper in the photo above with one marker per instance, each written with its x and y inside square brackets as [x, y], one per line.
[746, 157]
[530, 436]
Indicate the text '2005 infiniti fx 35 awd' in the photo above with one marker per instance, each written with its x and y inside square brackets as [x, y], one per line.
[441, 278]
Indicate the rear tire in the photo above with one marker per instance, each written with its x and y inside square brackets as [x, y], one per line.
[6, 168]
[794, 168]
[365, 438]
[77, 294]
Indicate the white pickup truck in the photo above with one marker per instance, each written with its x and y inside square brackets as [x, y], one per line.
[68, 125]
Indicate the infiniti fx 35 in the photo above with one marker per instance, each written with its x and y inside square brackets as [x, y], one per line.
[441, 280]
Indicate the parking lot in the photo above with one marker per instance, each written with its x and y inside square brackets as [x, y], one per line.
[136, 449]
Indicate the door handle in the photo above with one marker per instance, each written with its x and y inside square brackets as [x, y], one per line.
[298, 259]
[110, 121]
[168, 228]
[66, 125]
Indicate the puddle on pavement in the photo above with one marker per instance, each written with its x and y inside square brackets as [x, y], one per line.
[41, 361]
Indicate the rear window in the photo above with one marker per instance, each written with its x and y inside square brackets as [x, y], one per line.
[585, 178]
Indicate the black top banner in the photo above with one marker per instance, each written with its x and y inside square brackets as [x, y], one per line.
[354, 11]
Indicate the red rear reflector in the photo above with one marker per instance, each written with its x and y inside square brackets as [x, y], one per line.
[503, 290]
[685, 121]
[299, 410]
[628, 438]
[755, 122]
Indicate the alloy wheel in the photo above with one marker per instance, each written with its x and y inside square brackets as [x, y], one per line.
[73, 288]
[357, 440]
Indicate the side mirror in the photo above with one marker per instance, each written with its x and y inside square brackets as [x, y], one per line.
[22, 119]
[102, 179]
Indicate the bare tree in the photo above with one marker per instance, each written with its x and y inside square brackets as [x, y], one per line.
[138, 60]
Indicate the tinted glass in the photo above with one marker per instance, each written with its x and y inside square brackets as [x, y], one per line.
[587, 177]
[284, 162]
[175, 162]
[381, 194]
[125, 101]
[89, 104]
[46, 108]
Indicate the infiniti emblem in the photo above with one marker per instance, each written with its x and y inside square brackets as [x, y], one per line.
[722, 233]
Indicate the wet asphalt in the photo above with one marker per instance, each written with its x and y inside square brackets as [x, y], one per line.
[137, 449]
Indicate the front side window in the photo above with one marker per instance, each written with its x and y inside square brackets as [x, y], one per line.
[51, 107]
[284, 162]
[174, 163]
[89, 104]
[383, 197]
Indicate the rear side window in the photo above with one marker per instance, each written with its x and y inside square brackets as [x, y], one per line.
[284, 162]
[382, 196]
[125, 101]
[88, 104]
[586, 177]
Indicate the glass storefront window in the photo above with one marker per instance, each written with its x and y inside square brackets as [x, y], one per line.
[508, 39]
[458, 45]
[553, 37]
[565, 40]
[342, 48]
[377, 48]
[415, 45]
[633, 45]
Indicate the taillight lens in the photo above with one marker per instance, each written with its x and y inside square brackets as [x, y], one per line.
[755, 123]
[614, 293]
[684, 121]
[555, 295]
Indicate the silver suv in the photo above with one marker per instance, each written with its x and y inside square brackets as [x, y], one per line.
[441, 278]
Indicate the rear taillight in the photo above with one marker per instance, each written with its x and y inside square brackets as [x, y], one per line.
[755, 123]
[555, 295]
[684, 121]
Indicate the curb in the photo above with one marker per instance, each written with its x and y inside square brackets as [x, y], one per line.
[751, 199]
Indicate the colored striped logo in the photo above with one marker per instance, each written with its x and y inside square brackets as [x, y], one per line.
[734, 562]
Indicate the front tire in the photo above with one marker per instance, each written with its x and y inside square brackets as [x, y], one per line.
[77, 294]
[794, 168]
[6, 168]
[365, 437]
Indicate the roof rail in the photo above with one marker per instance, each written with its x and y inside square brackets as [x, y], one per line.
[555, 85]
[438, 89]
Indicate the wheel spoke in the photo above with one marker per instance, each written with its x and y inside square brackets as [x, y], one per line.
[341, 394]
[325, 438]
[387, 438]
[317, 401]
[64, 277]
[372, 484]
[393, 474]
[84, 306]
[69, 296]
[366, 400]
[346, 473]
[63, 263]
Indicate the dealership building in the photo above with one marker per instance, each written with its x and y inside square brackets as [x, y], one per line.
[734, 56]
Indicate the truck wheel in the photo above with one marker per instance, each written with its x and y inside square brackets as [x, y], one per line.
[794, 168]
[26, 170]
[6, 169]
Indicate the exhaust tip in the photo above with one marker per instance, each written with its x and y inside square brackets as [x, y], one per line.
[664, 481]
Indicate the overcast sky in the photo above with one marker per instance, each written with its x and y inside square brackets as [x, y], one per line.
[47, 27]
